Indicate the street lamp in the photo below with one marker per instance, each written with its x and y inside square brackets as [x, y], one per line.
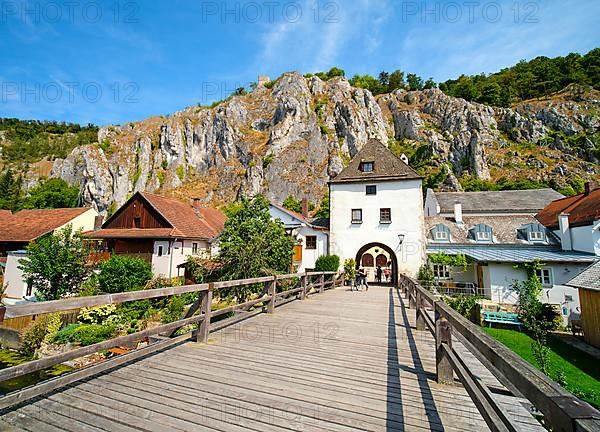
[401, 238]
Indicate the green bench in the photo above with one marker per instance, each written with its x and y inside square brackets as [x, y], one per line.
[502, 318]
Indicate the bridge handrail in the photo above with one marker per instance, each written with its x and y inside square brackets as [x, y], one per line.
[562, 410]
[200, 313]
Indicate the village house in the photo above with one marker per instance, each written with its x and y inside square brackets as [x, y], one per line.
[376, 210]
[312, 235]
[498, 234]
[163, 231]
[576, 220]
[19, 229]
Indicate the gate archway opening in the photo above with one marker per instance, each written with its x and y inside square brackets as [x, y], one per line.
[379, 251]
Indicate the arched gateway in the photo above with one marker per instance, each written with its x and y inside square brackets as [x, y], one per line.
[379, 250]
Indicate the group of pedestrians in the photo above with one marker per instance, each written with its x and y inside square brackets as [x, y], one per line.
[361, 277]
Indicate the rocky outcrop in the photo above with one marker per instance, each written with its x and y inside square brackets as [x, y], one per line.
[291, 137]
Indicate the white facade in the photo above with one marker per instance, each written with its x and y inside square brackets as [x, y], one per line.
[404, 198]
[302, 230]
[585, 238]
[16, 286]
[168, 255]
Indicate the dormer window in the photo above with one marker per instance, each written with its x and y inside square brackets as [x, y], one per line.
[536, 236]
[481, 233]
[484, 236]
[367, 167]
[440, 233]
[441, 236]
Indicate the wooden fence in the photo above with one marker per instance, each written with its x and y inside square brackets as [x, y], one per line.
[562, 410]
[200, 314]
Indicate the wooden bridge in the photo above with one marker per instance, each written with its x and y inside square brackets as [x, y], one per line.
[335, 360]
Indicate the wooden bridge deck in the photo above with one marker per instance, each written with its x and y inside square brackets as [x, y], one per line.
[340, 361]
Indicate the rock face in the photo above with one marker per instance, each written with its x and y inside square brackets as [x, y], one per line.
[291, 137]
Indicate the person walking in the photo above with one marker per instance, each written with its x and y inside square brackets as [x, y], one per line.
[378, 274]
[363, 278]
[387, 274]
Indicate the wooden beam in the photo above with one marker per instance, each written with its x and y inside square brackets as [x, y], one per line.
[205, 310]
[420, 313]
[81, 302]
[443, 336]
[272, 290]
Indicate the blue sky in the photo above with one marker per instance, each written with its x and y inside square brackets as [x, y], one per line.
[110, 62]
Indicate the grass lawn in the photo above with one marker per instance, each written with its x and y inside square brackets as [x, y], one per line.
[582, 371]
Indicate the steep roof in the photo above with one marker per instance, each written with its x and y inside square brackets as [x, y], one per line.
[587, 279]
[510, 201]
[28, 225]
[185, 221]
[505, 228]
[582, 209]
[386, 166]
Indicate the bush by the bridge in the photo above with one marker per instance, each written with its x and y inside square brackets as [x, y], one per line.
[327, 263]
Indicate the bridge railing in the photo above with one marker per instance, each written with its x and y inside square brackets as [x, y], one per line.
[562, 410]
[200, 314]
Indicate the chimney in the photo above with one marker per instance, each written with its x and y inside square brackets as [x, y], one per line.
[458, 216]
[98, 221]
[197, 203]
[305, 207]
[590, 187]
[565, 232]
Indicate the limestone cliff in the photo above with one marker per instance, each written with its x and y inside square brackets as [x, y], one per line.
[289, 137]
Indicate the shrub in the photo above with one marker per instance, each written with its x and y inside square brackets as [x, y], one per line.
[84, 334]
[96, 315]
[123, 273]
[350, 269]
[54, 325]
[173, 310]
[33, 336]
[463, 304]
[327, 263]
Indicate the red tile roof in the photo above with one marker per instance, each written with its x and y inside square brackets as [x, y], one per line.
[187, 221]
[582, 209]
[27, 225]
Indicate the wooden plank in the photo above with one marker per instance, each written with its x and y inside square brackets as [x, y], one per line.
[27, 393]
[81, 302]
[46, 362]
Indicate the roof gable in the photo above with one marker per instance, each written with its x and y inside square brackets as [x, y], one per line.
[386, 166]
[182, 219]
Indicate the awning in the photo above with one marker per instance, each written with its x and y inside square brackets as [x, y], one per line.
[512, 254]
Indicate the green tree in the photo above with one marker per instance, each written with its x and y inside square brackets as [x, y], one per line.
[253, 245]
[415, 82]
[55, 264]
[10, 191]
[52, 193]
[292, 204]
[396, 80]
[123, 273]
[323, 210]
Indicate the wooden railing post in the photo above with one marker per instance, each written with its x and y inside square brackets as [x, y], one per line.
[322, 283]
[205, 309]
[304, 283]
[411, 295]
[443, 336]
[272, 290]
[420, 311]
